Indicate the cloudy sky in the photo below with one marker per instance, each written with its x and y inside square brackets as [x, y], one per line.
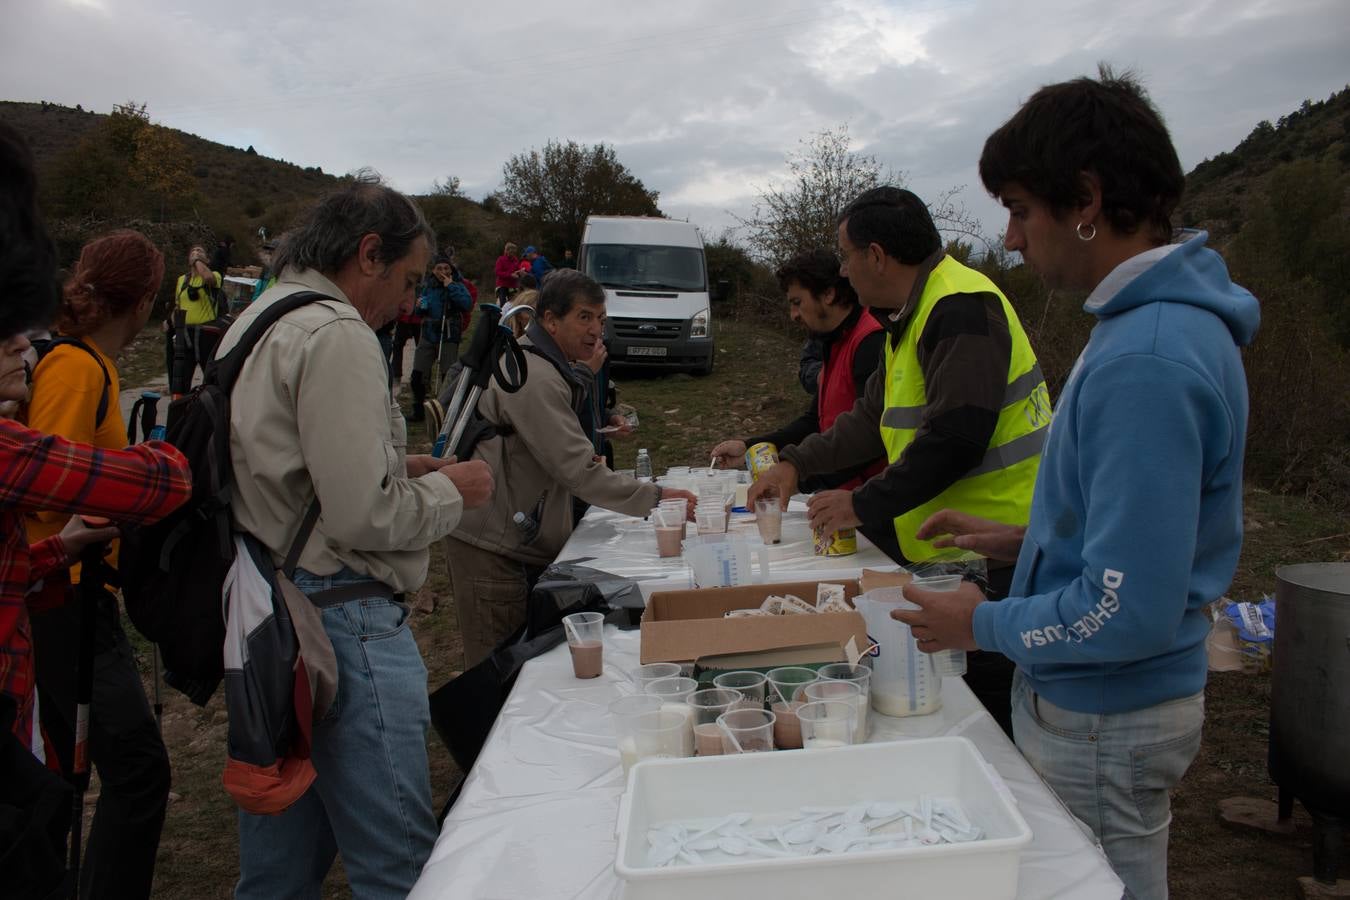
[701, 98]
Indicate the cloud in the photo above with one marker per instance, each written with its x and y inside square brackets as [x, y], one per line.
[702, 99]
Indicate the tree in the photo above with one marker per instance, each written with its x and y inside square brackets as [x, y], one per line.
[553, 192]
[824, 176]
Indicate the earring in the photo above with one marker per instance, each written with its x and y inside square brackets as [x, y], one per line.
[1086, 231]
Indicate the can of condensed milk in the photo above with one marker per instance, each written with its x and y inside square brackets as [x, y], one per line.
[843, 542]
[760, 458]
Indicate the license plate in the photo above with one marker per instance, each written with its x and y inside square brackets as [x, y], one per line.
[646, 351]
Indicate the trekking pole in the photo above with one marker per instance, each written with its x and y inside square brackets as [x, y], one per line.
[86, 598]
[145, 412]
[481, 362]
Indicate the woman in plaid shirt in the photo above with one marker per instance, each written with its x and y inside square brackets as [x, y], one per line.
[44, 472]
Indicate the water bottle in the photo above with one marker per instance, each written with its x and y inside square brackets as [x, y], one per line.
[643, 467]
[528, 527]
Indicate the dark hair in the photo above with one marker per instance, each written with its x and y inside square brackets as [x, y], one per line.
[114, 273]
[894, 218]
[526, 280]
[564, 288]
[330, 233]
[28, 285]
[817, 271]
[1108, 127]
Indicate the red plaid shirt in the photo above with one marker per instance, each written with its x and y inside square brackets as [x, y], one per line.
[45, 472]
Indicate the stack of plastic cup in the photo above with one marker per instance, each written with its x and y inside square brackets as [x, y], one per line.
[710, 516]
[861, 676]
[674, 694]
[787, 692]
[844, 691]
[707, 705]
[828, 723]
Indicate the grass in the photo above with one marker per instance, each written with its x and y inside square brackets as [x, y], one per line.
[753, 388]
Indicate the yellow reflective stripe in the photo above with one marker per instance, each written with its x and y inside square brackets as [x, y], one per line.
[1011, 453]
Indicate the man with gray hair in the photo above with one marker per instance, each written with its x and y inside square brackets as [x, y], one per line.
[312, 420]
[494, 562]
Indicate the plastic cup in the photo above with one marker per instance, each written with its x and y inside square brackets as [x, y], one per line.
[627, 713]
[707, 705]
[769, 518]
[668, 525]
[674, 694]
[828, 723]
[710, 521]
[844, 692]
[751, 686]
[586, 640]
[678, 471]
[861, 676]
[645, 674]
[947, 662]
[746, 730]
[786, 692]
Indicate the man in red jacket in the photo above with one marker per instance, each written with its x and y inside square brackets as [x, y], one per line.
[825, 303]
[506, 268]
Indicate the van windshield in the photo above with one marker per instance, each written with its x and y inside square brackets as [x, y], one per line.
[645, 267]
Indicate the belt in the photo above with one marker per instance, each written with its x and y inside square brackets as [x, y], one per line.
[361, 590]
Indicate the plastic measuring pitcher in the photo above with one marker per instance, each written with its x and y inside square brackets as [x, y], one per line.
[904, 680]
[722, 562]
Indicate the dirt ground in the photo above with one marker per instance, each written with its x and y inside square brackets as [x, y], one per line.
[754, 386]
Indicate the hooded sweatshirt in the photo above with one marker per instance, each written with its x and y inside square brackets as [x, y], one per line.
[1136, 521]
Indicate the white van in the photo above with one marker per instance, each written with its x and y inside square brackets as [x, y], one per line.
[656, 290]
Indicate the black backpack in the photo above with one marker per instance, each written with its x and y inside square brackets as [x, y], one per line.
[172, 570]
[44, 347]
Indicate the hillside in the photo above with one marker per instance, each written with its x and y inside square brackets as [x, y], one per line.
[1221, 192]
[225, 190]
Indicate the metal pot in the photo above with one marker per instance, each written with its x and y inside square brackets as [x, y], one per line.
[1310, 701]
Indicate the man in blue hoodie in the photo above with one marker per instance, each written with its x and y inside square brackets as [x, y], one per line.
[1136, 522]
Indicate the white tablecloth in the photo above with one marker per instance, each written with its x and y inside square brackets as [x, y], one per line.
[537, 815]
[623, 545]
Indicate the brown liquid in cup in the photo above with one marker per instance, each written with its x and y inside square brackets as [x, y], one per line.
[587, 658]
[707, 739]
[668, 541]
[787, 728]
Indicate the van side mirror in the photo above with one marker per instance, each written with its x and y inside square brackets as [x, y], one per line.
[721, 291]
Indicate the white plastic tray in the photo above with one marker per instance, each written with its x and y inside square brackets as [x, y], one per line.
[762, 783]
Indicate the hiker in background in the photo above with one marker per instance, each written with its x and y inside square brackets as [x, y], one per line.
[138, 484]
[505, 269]
[221, 256]
[321, 427]
[568, 260]
[1137, 523]
[107, 301]
[407, 327]
[196, 307]
[268, 277]
[441, 305]
[539, 264]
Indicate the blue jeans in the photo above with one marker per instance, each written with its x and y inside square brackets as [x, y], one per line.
[1114, 771]
[372, 798]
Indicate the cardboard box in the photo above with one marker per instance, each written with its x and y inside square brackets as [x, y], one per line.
[685, 626]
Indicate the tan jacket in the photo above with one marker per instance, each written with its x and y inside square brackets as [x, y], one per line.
[546, 454]
[322, 366]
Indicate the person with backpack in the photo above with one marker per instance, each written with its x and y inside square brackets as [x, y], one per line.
[322, 435]
[504, 272]
[198, 304]
[441, 305]
[38, 471]
[538, 438]
[106, 302]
